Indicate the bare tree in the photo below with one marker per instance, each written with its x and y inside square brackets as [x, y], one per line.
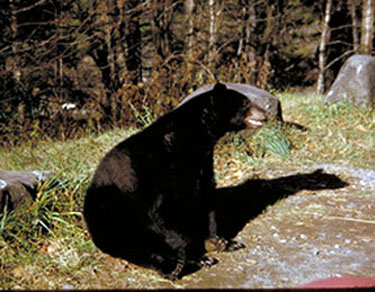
[322, 46]
[248, 24]
[148, 39]
[352, 9]
[367, 26]
[133, 40]
[166, 9]
[12, 62]
[189, 38]
[212, 33]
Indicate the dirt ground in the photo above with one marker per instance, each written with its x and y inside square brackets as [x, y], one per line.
[307, 236]
[320, 230]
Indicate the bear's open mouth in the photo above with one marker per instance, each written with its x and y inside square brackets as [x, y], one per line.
[253, 123]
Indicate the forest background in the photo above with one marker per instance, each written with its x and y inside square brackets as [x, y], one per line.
[72, 66]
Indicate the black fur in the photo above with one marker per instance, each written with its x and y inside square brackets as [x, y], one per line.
[149, 201]
[153, 200]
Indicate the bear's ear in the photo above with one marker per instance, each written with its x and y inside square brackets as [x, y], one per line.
[219, 93]
[219, 88]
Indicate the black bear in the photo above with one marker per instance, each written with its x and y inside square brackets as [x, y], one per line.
[149, 200]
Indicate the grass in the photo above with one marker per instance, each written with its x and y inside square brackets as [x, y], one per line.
[47, 243]
[46, 246]
[341, 133]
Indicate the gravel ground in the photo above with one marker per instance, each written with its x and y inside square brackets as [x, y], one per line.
[365, 177]
[310, 235]
[318, 229]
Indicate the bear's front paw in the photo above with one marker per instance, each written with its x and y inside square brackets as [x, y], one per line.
[219, 244]
[233, 245]
[208, 261]
[216, 243]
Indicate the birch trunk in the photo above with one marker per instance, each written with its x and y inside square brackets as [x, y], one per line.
[241, 42]
[352, 9]
[212, 37]
[367, 27]
[189, 8]
[322, 46]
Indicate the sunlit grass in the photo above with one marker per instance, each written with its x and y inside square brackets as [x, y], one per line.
[47, 242]
[341, 134]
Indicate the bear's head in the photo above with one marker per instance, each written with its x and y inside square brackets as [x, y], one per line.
[236, 111]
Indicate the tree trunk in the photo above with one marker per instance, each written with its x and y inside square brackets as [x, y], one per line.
[352, 9]
[189, 37]
[133, 41]
[269, 35]
[212, 34]
[270, 25]
[367, 27]
[148, 43]
[13, 25]
[322, 46]
[246, 54]
[16, 72]
[163, 24]
[248, 24]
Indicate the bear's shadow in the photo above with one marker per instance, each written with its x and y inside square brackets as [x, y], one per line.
[236, 206]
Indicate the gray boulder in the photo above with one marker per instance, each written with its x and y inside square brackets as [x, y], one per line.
[261, 98]
[20, 187]
[355, 82]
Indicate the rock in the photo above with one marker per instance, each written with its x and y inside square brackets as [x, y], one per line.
[261, 98]
[67, 287]
[20, 187]
[355, 82]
